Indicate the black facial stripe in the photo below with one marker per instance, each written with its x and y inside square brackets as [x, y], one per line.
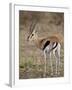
[28, 38]
[46, 44]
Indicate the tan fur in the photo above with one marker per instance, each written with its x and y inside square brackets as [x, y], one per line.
[40, 41]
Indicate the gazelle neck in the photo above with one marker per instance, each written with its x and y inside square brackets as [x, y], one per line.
[36, 41]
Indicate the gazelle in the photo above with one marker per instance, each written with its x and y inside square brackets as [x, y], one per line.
[48, 45]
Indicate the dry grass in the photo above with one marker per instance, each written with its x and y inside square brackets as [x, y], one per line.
[31, 59]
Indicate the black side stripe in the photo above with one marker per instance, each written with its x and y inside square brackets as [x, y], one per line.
[55, 46]
[46, 44]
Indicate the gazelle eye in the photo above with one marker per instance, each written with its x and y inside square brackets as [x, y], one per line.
[32, 34]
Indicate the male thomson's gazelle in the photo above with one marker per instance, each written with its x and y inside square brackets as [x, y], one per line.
[48, 45]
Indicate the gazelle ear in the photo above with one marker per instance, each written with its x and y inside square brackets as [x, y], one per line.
[35, 31]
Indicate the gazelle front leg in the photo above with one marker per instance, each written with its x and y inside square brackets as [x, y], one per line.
[44, 64]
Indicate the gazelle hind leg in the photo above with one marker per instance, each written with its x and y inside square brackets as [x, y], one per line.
[58, 50]
[57, 55]
[44, 64]
[51, 65]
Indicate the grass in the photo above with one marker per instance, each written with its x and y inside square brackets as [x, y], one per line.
[31, 60]
[31, 63]
[28, 69]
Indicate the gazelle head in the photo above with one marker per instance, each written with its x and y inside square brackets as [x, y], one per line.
[32, 32]
[33, 36]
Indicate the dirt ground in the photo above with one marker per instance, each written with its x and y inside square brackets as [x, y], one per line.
[31, 59]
